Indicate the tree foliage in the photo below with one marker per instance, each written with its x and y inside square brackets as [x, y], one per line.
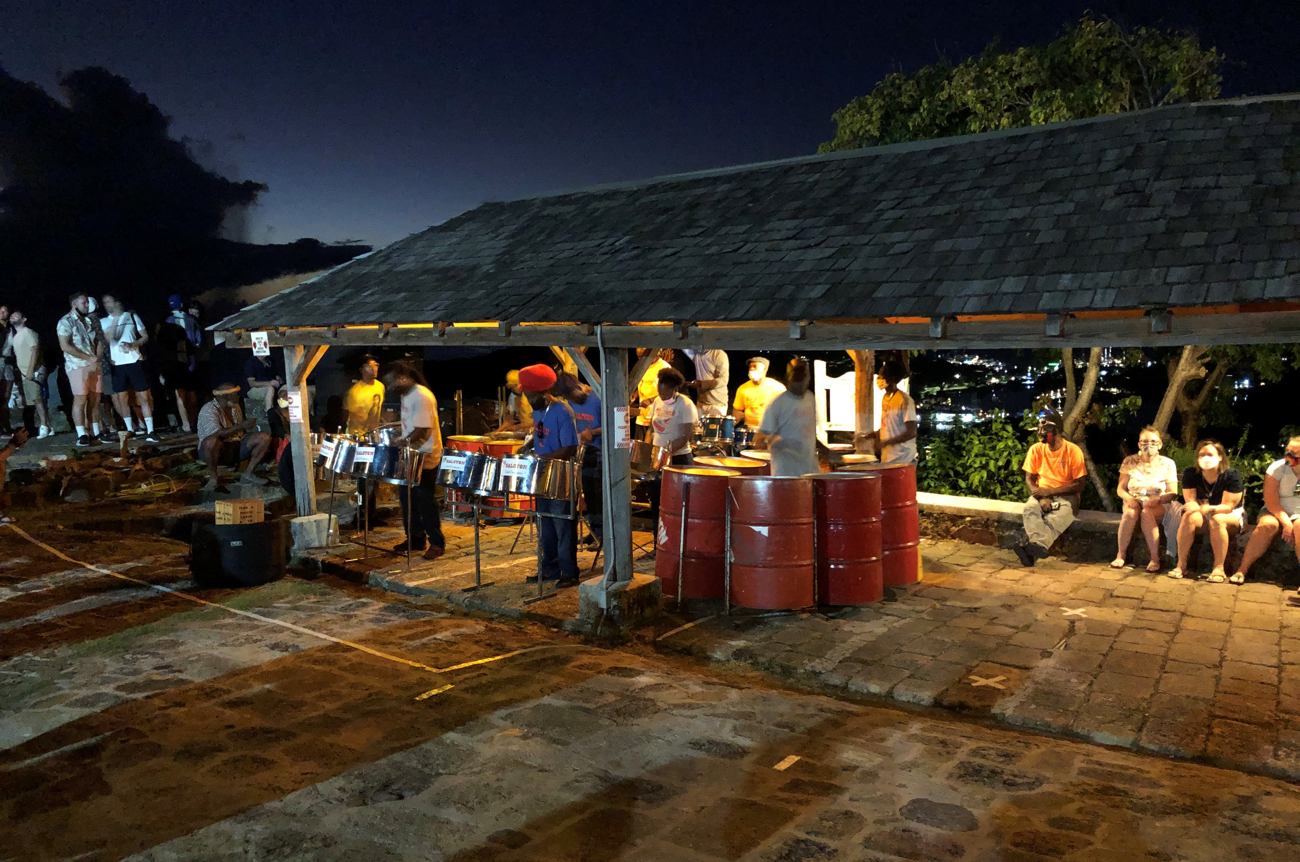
[1095, 67]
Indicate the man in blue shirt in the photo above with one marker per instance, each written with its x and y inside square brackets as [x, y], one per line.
[555, 435]
[586, 413]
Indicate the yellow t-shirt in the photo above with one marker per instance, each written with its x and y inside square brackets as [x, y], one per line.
[364, 403]
[753, 399]
[647, 389]
[1055, 469]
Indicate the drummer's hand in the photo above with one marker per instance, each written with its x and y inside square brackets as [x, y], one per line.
[585, 435]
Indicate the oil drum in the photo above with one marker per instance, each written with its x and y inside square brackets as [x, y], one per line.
[771, 542]
[846, 507]
[743, 466]
[900, 523]
[700, 549]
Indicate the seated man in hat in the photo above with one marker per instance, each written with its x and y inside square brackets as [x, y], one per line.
[226, 438]
[1055, 472]
[555, 435]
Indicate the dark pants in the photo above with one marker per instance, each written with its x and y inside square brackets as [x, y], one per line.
[592, 491]
[558, 538]
[367, 490]
[426, 525]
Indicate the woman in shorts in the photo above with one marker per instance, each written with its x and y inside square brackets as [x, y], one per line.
[1148, 482]
[1212, 494]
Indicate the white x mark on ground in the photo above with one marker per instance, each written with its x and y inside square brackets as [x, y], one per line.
[988, 682]
[1075, 612]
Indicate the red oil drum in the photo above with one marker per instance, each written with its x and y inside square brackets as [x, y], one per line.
[771, 542]
[492, 506]
[900, 523]
[704, 491]
[846, 508]
[743, 466]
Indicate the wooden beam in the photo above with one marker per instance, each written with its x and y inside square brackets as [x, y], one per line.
[864, 403]
[615, 470]
[589, 373]
[304, 479]
[939, 326]
[1258, 327]
[312, 358]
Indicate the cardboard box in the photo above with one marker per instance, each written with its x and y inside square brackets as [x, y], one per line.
[240, 512]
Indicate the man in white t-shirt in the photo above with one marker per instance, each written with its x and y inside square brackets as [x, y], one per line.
[126, 335]
[896, 440]
[420, 431]
[1281, 510]
[82, 343]
[712, 374]
[672, 417]
[789, 427]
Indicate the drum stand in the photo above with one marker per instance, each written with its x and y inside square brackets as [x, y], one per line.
[572, 515]
[478, 561]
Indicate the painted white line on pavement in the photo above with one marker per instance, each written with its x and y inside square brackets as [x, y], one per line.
[692, 624]
[506, 564]
[1075, 612]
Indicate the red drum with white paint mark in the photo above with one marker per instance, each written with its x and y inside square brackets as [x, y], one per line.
[900, 523]
[771, 542]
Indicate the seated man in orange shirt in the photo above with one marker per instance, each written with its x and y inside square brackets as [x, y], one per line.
[1055, 473]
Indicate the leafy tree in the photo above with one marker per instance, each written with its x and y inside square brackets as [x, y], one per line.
[1095, 67]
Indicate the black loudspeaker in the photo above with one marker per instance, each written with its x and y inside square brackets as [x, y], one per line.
[239, 554]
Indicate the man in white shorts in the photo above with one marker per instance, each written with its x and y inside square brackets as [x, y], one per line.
[82, 343]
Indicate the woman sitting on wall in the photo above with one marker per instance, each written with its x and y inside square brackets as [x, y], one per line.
[1213, 494]
[1148, 482]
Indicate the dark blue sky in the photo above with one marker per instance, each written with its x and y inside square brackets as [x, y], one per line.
[374, 120]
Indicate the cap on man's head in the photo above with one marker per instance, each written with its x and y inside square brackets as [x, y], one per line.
[760, 361]
[536, 378]
[1048, 416]
[512, 377]
[175, 303]
[226, 389]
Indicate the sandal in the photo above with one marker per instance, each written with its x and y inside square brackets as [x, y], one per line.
[1175, 573]
[1217, 577]
[1153, 567]
[1117, 563]
[1237, 578]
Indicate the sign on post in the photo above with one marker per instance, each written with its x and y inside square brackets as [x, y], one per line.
[261, 344]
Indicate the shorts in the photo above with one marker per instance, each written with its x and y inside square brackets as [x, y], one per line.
[84, 380]
[232, 452]
[33, 392]
[131, 378]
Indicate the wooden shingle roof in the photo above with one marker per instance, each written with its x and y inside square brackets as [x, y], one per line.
[1189, 205]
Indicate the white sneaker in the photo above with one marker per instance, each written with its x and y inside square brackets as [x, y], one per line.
[45, 431]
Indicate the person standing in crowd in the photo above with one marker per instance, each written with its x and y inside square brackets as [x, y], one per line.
[1280, 513]
[421, 432]
[586, 413]
[896, 439]
[16, 440]
[712, 374]
[1055, 472]
[673, 417]
[1212, 494]
[226, 438]
[364, 404]
[555, 435]
[789, 426]
[82, 343]
[518, 415]
[263, 382]
[647, 388]
[31, 380]
[753, 396]
[127, 336]
[8, 374]
[1148, 482]
[202, 342]
[176, 338]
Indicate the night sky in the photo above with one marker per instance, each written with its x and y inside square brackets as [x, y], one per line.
[374, 120]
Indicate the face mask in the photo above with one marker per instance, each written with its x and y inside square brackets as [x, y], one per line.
[1149, 447]
[755, 375]
[1208, 462]
[1292, 457]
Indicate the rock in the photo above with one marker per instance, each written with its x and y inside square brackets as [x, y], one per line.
[940, 815]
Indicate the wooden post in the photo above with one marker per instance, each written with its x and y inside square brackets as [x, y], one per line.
[298, 362]
[864, 384]
[615, 470]
[566, 361]
[579, 358]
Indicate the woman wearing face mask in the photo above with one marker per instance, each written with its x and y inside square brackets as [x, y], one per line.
[1212, 491]
[1281, 513]
[1148, 481]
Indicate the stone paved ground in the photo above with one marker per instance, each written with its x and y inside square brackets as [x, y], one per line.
[1183, 668]
[316, 720]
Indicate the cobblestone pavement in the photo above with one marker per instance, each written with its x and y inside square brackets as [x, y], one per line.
[1183, 668]
[316, 720]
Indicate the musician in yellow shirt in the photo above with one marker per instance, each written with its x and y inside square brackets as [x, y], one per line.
[364, 404]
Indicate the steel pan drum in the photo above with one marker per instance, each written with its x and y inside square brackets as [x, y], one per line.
[325, 453]
[466, 442]
[900, 523]
[518, 474]
[648, 458]
[697, 548]
[396, 465]
[557, 479]
[743, 466]
[847, 511]
[361, 460]
[743, 439]
[345, 451]
[461, 469]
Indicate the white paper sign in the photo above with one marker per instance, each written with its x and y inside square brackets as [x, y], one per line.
[515, 468]
[295, 407]
[453, 461]
[364, 455]
[327, 449]
[622, 428]
[261, 344]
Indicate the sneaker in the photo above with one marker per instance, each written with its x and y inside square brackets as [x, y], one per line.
[46, 431]
[150, 437]
[401, 547]
[84, 440]
[107, 436]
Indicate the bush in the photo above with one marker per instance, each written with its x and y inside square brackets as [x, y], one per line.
[976, 461]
